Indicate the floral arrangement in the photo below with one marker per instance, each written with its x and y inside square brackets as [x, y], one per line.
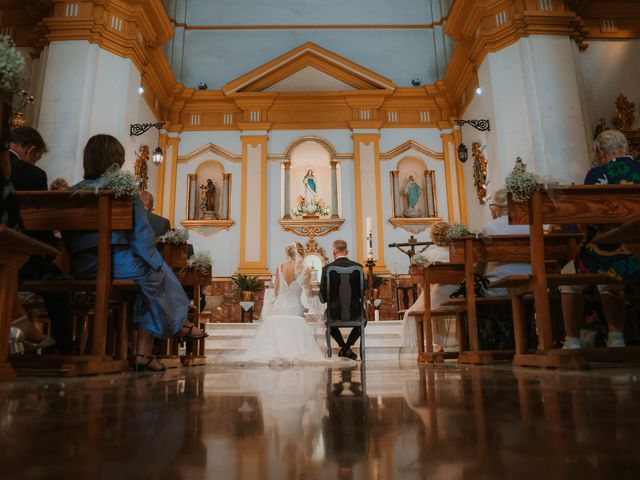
[176, 236]
[520, 183]
[456, 231]
[11, 64]
[201, 262]
[319, 208]
[439, 232]
[420, 260]
[121, 182]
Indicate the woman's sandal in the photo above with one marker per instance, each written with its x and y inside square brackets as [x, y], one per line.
[146, 367]
[188, 335]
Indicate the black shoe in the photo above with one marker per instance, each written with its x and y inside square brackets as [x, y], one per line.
[349, 353]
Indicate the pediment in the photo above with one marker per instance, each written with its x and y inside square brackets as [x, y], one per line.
[309, 68]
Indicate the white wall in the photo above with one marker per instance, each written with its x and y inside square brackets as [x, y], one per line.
[84, 91]
[610, 68]
[217, 56]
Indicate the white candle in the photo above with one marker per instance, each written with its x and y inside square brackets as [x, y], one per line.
[369, 239]
[376, 315]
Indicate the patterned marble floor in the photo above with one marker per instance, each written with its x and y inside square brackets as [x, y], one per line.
[385, 422]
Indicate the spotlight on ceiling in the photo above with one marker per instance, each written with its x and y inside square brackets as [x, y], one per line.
[202, 86]
[415, 82]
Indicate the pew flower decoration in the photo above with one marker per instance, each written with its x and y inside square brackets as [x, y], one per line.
[201, 262]
[520, 183]
[11, 64]
[176, 236]
[457, 231]
[420, 260]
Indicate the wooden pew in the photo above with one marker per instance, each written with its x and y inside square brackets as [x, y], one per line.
[81, 211]
[441, 273]
[15, 249]
[577, 204]
[558, 249]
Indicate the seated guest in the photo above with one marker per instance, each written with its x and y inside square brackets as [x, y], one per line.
[439, 294]
[614, 166]
[499, 225]
[160, 225]
[26, 148]
[22, 330]
[161, 307]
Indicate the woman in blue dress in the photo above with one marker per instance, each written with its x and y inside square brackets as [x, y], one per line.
[161, 307]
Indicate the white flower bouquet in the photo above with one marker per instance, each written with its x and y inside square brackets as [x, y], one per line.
[520, 183]
[11, 64]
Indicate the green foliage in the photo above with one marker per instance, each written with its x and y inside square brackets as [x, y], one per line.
[247, 283]
[378, 281]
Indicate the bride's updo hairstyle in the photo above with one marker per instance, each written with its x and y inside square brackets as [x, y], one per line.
[291, 251]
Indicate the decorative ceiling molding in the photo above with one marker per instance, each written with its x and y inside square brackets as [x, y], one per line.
[408, 146]
[209, 148]
[308, 54]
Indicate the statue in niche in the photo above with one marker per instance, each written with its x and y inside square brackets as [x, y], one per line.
[208, 201]
[412, 191]
[310, 194]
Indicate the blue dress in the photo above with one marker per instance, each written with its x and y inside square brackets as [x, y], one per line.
[161, 307]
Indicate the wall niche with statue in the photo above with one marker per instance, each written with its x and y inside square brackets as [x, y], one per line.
[413, 193]
[310, 197]
[208, 199]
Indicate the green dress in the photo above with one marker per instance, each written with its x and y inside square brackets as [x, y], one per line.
[613, 259]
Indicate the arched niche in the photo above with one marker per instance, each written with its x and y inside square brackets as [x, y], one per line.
[310, 162]
[208, 198]
[413, 188]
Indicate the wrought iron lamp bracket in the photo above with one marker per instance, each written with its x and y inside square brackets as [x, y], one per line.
[136, 129]
[481, 125]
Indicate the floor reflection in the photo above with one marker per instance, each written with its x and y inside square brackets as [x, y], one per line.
[316, 423]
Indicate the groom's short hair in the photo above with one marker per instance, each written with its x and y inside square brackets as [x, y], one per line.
[340, 246]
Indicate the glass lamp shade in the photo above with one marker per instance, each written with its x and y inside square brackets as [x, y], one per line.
[157, 156]
[463, 153]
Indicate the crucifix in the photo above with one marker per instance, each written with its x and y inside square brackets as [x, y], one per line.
[412, 243]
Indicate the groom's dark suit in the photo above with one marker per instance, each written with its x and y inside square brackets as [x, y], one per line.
[355, 307]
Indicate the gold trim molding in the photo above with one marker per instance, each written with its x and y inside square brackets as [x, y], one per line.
[207, 228]
[312, 227]
[411, 145]
[414, 225]
[206, 149]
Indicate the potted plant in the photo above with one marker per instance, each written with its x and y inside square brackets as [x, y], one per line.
[247, 285]
[376, 282]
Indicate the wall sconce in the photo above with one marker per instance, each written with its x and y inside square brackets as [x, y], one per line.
[137, 129]
[480, 125]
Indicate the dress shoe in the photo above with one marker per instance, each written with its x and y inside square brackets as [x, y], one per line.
[347, 352]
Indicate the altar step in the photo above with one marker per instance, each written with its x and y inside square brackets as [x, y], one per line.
[383, 340]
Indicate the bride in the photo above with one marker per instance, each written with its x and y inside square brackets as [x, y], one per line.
[284, 336]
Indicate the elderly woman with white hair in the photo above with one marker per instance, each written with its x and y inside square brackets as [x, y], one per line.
[613, 165]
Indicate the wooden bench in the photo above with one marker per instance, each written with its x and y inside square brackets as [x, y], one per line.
[581, 204]
[558, 249]
[444, 274]
[81, 211]
[15, 249]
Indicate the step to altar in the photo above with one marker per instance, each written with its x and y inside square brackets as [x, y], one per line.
[383, 340]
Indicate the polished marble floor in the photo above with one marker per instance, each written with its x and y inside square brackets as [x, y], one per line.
[385, 422]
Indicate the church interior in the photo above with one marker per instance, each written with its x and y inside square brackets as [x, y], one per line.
[407, 129]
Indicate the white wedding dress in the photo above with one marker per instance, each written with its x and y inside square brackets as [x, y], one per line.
[284, 337]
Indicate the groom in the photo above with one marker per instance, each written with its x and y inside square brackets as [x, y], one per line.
[340, 253]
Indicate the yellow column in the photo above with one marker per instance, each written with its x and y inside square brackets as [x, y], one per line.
[366, 156]
[172, 154]
[253, 207]
[448, 147]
